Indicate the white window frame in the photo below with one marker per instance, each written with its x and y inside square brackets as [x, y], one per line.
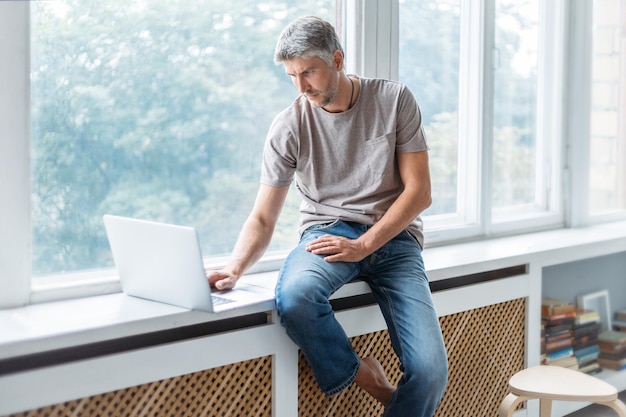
[547, 209]
[468, 220]
[478, 61]
[15, 239]
[371, 38]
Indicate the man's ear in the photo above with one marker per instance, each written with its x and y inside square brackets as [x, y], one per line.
[338, 60]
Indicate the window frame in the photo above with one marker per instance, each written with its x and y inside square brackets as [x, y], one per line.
[474, 93]
[475, 218]
[14, 155]
[547, 209]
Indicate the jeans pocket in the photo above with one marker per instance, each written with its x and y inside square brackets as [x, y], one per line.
[413, 238]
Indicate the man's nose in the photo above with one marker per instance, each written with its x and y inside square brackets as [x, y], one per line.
[300, 83]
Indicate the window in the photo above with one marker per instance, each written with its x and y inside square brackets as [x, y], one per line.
[515, 105]
[482, 74]
[159, 109]
[152, 109]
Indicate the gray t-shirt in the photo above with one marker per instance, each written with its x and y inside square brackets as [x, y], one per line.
[345, 164]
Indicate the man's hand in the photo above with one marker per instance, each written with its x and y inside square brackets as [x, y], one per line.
[221, 280]
[337, 249]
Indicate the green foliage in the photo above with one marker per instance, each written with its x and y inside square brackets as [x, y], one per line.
[158, 109]
[153, 109]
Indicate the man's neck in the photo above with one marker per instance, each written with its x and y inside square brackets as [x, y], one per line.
[346, 95]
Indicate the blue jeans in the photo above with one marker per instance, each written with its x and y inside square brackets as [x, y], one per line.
[397, 277]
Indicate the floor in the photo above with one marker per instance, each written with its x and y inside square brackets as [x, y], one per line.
[595, 410]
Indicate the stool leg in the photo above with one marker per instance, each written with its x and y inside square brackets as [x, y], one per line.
[545, 407]
[618, 406]
[509, 404]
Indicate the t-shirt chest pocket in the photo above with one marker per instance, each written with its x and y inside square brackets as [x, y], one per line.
[380, 155]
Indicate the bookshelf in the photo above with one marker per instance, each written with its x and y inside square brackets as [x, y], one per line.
[569, 280]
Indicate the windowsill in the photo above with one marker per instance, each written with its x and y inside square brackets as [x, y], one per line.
[57, 325]
[46, 327]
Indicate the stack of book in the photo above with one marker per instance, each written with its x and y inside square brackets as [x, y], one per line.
[557, 333]
[587, 328]
[612, 350]
[619, 322]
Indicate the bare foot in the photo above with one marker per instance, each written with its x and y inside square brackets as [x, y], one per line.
[371, 378]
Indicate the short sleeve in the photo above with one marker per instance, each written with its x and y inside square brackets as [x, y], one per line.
[279, 155]
[409, 131]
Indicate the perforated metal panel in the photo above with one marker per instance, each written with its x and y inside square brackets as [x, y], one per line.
[485, 348]
[352, 402]
[242, 389]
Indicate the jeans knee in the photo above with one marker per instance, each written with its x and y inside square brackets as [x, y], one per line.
[428, 376]
[297, 301]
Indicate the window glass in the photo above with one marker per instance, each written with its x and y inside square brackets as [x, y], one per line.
[153, 109]
[429, 35]
[514, 178]
[607, 151]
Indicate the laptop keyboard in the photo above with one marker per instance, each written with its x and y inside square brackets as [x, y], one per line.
[217, 300]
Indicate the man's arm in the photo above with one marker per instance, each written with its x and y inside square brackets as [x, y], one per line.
[414, 199]
[254, 237]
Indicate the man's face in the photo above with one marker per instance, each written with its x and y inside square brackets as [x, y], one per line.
[314, 78]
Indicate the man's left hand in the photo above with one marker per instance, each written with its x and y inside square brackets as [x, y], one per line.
[337, 249]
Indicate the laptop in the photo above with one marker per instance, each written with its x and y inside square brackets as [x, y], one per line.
[163, 262]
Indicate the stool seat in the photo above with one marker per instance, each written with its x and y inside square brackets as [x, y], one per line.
[547, 383]
[558, 383]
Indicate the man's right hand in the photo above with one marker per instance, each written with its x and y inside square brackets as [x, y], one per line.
[221, 280]
[253, 239]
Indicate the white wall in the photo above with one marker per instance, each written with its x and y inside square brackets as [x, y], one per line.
[568, 281]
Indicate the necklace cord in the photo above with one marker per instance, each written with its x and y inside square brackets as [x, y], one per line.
[351, 93]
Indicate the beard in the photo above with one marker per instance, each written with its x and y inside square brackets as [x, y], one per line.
[328, 95]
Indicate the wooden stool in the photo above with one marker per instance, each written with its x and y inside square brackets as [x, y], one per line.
[547, 383]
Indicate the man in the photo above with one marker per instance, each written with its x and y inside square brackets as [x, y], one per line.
[357, 151]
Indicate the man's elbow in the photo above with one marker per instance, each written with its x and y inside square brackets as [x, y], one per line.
[429, 201]
[422, 198]
[424, 194]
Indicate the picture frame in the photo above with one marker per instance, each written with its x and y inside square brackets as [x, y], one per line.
[598, 301]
